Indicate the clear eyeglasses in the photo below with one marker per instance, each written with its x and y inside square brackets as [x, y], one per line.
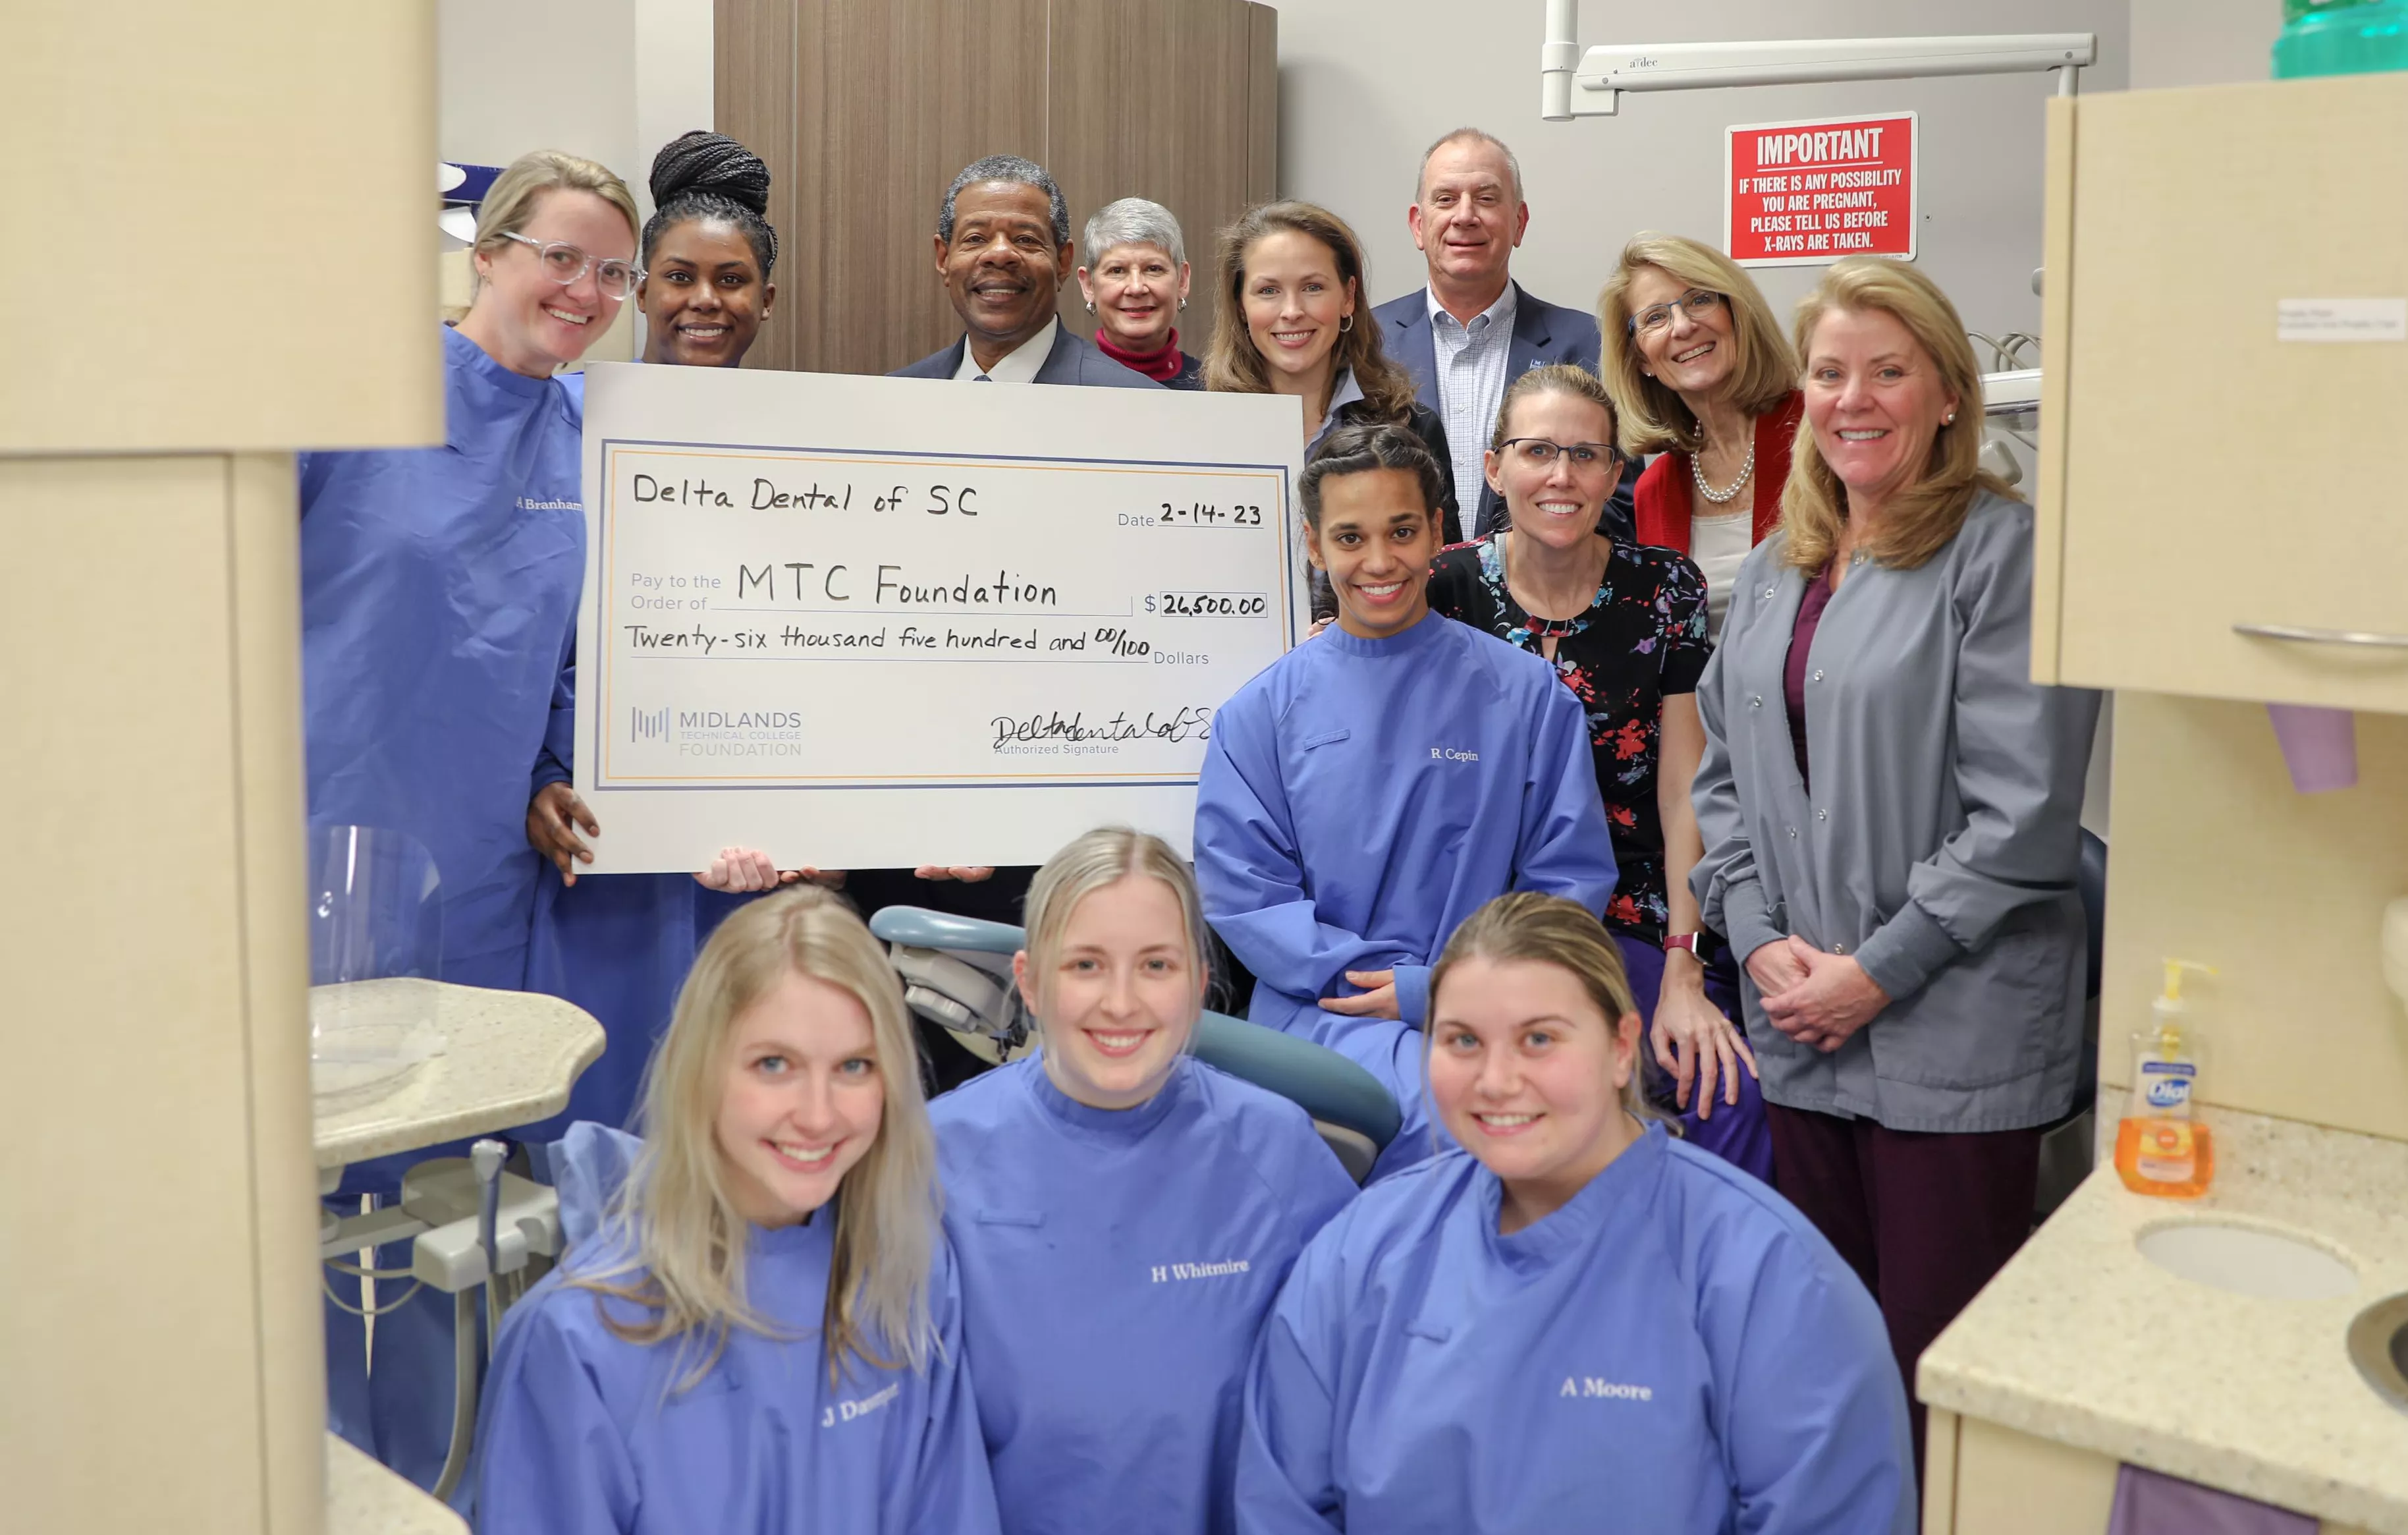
[1696, 303]
[1540, 450]
[564, 263]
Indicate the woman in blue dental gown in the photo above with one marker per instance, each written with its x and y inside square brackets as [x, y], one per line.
[620, 945]
[1369, 789]
[1122, 1222]
[744, 1343]
[1578, 1322]
[439, 609]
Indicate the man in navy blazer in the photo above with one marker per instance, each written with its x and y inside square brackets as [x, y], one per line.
[1474, 330]
[1003, 252]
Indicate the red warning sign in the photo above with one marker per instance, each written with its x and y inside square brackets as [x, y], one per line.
[1807, 193]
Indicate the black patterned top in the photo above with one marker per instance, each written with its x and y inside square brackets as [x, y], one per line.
[1643, 638]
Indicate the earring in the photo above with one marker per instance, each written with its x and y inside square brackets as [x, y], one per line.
[1345, 324]
[1091, 305]
[1948, 420]
[1183, 304]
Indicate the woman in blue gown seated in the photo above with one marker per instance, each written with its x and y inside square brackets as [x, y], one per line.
[764, 1337]
[1579, 1323]
[1123, 1215]
[1372, 788]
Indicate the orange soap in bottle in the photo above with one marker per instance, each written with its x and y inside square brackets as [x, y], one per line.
[2160, 1148]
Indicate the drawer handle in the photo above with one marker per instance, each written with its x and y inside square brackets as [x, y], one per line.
[2323, 636]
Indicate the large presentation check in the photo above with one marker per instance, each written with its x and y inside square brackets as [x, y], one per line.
[874, 622]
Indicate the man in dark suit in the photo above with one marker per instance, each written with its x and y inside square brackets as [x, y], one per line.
[1003, 252]
[1474, 330]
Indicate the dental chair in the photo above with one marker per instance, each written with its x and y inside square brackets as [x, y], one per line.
[2068, 1146]
[957, 974]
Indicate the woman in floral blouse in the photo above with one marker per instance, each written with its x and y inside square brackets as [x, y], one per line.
[1624, 625]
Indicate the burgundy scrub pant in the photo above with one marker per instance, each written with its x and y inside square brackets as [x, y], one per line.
[1924, 1218]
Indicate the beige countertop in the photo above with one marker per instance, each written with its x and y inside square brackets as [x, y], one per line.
[2084, 1342]
[364, 1499]
[509, 1059]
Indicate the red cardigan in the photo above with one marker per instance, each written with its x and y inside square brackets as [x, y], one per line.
[1661, 502]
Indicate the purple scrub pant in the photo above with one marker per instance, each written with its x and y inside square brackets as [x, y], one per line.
[1735, 1133]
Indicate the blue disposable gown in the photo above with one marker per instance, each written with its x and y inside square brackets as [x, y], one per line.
[1361, 798]
[438, 610]
[1675, 1349]
[1115, 1270]
[582, 1431]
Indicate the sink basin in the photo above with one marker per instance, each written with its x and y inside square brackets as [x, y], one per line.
[2378, 1346]
[2247, 1261]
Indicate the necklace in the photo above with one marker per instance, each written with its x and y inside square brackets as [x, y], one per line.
[1697, 472]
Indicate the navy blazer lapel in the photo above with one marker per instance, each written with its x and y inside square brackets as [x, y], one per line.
[1533, 333]
[1061, 364]
[1415, 350]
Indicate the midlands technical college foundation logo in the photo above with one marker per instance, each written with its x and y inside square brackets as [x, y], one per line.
[720, 732]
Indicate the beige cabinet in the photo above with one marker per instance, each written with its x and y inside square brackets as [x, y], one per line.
[2223, 510]
[1981, 1478]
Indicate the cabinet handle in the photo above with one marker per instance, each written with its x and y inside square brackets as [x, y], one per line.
[2323, 636]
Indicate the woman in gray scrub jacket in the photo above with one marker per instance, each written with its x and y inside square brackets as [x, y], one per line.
[1890, 807]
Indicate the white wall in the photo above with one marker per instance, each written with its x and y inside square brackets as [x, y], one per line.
[609, 79]
[2202, 42]
[1366, 84]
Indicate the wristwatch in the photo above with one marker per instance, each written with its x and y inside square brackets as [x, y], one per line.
[1684, 940]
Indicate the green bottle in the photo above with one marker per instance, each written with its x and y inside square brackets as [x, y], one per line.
[2339, 37]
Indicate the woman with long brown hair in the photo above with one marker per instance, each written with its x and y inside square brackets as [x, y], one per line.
[1295, 320]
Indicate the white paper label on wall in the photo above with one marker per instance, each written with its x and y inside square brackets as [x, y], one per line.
[878, 623]
[2340, 320]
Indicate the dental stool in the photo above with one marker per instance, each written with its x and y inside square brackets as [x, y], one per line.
[957, 973]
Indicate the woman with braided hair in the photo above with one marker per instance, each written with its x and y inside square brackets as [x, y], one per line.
[708, 252]
[620, 945]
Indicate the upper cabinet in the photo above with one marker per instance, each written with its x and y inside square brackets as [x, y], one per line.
[2223, 497]
[220, 225]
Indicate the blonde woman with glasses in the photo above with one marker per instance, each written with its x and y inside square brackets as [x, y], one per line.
[765, 1336]
[1701, 375]
[438, 607]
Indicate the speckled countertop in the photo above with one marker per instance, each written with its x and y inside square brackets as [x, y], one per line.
[2084, 1342]
[364, 1499]
[509, 1059]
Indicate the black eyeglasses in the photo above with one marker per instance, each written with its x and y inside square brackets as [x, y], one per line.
[1537, 452]
[1695, 304]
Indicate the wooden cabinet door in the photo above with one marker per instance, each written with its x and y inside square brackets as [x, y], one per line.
[2201, 477]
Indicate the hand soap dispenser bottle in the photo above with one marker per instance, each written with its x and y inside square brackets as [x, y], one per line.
[2160, 1148]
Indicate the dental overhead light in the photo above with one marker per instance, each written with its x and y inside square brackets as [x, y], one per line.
[1576, 84]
